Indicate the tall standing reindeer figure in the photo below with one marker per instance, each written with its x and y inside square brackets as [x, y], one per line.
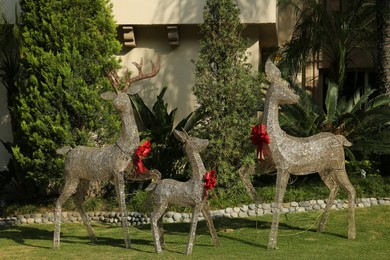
[85, 164]
[191, 193]
[322, 153]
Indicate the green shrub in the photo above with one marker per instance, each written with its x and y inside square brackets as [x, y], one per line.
[223, 198]
[138, 202]
[226, 90]
[18, 209]
[68, 46]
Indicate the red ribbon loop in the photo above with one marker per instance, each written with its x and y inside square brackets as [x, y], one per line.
[259, 137]
[210, 182]
[141, 152]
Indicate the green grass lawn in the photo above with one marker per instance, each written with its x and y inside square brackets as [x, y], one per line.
[247, 240]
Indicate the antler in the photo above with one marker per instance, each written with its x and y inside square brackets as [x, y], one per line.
[141, 75]
[116, 81]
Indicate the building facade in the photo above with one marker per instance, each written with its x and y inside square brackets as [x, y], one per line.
[170, 28]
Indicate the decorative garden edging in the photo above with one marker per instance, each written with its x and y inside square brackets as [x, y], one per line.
[136, 219]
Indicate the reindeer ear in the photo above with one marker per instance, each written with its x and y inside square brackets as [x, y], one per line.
[134, 89]
[273, 73]
[109, 95]
[180, 136]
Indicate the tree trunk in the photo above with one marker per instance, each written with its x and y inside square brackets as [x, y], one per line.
[383, 23]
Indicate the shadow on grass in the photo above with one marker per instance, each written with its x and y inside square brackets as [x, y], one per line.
[223, 224]
[22, 233]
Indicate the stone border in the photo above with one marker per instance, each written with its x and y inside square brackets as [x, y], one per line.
[136, 219]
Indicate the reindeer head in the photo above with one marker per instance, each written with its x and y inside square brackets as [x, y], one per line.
[122, 86]
[191, 143]
[119, 99]
[279, 88]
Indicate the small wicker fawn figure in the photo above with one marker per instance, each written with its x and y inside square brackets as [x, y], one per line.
[191, 193]
[322, 153]
[86, 164]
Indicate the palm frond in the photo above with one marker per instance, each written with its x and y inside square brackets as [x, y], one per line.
[331, 101]
[358, 100]
[383, 99]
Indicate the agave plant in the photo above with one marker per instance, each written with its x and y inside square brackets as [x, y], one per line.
[157, 124]
[364, 118]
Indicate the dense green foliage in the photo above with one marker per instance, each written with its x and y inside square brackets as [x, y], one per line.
[67, 49]
[157, 125]
[364, 119]
[227, 92]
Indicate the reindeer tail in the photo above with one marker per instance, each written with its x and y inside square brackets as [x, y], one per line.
[156, 177]
[64, 150]
[344, 140]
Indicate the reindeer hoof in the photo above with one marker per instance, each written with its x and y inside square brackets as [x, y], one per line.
[320, 229]
[272, 246]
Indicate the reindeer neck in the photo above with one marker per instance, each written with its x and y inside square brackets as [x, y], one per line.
[128, 137]
[198, 169]
[271, 115]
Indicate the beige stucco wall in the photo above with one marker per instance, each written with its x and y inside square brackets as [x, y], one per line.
[285, 25]
[177, 68]
[150, 18]
[153, 12]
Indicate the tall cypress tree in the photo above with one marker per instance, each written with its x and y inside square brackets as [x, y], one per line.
[68, 46]
[226, 90]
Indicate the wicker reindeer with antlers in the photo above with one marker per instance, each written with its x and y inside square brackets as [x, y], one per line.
[322, 153]
[86, 164]
[191, 193]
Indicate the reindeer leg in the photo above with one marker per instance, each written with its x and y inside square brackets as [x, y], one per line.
[281, 185]
[156, 217]
[68, 190]
[120, 194]
[330, 182]
[79, 198]
[245, 171]
[161, 231]
[210, 223]
[194, 223]
[343, 180]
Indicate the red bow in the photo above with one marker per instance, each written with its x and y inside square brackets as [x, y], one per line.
[141, 152]
[259, 137]
[209, 182]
